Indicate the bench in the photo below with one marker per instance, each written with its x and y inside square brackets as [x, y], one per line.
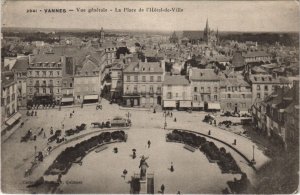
[190, 148]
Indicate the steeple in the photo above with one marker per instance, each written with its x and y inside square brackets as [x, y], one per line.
[207, 27]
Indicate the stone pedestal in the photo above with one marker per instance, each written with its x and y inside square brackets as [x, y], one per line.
[143, 186]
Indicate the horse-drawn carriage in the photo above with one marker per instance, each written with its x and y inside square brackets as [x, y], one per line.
[55, 136]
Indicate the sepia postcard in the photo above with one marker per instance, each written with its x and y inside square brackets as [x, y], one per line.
[149, 97]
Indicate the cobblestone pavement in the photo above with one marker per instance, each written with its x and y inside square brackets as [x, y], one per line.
[17, 157]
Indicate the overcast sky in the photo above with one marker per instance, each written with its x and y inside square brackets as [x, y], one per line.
[226, 15]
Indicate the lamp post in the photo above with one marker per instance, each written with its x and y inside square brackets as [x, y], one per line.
[253, 160]
[128, 115]
[165, 120]
[34, 152]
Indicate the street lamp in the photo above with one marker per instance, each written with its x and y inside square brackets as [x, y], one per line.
[34, 152]
[165, 120]
[128, 115]
[253, 160]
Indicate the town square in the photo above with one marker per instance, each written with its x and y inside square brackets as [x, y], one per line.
[150, 97]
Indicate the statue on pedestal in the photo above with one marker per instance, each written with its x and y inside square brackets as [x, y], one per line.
[143, 166]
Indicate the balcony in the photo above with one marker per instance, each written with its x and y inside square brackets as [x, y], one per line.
[132, 93]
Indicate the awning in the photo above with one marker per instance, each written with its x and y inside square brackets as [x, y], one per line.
[13, 119]
[90, 97]
[198, 104]
[169, 104]
[185, 104]
[69, 99]
[214, 106]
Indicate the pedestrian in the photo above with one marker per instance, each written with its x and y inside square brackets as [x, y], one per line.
[35, 113]
[171, 114]
[208, 132]
[70, 115]
[162, 188]
[124, 173]
[172, 167]
[178, 192]
[175, 119]
[149, 143]
[44, 135]
[73, 111]
[154, 111]
[63, 126]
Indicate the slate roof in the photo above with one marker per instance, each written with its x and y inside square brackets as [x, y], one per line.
[21, 64]
[204, 75]
[144, 67]
[46, 58]
[175, 80]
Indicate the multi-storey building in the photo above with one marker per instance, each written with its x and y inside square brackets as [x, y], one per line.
[256, 56]
[177, 92]
[9, 111]
[142, 83]
[20, 71]
[44, 77]
[263, 85]
[277, 116]
[235, 93]
[87, 81]
[205, 86]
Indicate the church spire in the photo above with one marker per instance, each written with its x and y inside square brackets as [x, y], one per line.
[207, 27]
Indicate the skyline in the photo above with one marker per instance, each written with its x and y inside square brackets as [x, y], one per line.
[270, 16]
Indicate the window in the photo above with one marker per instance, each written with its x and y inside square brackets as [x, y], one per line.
[266, 94]
[258, 87]
[202, 89]
[202, 97]
[57, 90]
[57, 73]
[151, 78]
[195, 98]
[51, 73]
[136, 78]
[266, 88]
[51, 90]
[57, 82]
[273, 88]
[135, 88]
[151, 89]
[195, 89]
[30, 73]
[128, 78]
[44, 90]
[216, 89]
[44, 73]
[258, 95]
[13, 97]
[228, 95]
[208, 97]
[228, 88]
[169, 95]
[143, 78]
[215, 97]
[159, 78]
[37, 73]
[158, 89]
[208, 89]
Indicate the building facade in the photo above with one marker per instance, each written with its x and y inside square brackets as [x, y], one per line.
[9, 110]
[263, 85]
[20, 71]
[235, 94]
[142, 84]
[205, 86]
[177, 92]
[44, 78]
[87, 82]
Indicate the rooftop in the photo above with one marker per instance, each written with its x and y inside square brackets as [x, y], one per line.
[175, 80]
[144, 67]
[204, 75]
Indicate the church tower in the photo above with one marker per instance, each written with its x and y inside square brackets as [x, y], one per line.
[101, 35]
[206, 33]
